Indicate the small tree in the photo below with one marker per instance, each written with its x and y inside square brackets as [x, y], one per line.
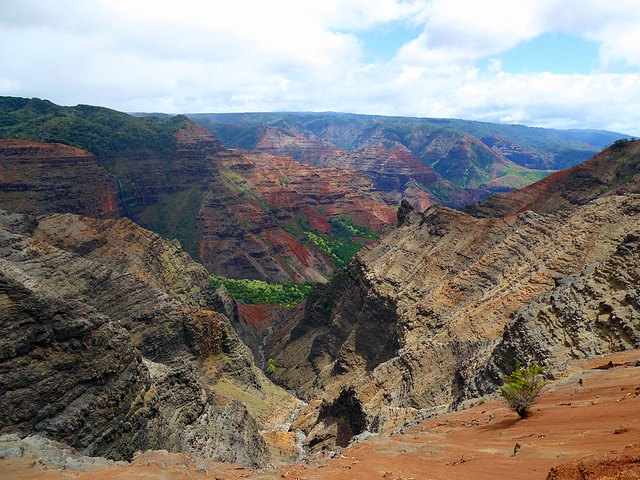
[523, 387]
[272, 367]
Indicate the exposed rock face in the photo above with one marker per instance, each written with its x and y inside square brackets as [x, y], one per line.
[393, 170]
[412, 319]
[265, 328]
[43, 178]
[109, 333]
[427, 166]
[611, 172]
[237, 212]
[592, 313]
[526, 157]
[247, 234]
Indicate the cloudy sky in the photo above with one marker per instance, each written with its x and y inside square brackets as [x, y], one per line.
[552, 63]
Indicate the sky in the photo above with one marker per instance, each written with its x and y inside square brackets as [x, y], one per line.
[548, 63]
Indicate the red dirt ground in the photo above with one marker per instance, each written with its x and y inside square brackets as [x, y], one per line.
[571, 422]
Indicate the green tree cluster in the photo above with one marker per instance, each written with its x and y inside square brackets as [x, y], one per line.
[256, 292]
[344, 241]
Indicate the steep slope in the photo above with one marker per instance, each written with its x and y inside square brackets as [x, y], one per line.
[401, 332]
[393, 170]
[460, 158]
[42, 178]
[407, 158]
[611, 172]
[243, 214]
[113, 341]
[591, 313]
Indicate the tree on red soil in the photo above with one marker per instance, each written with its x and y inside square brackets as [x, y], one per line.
[523, 388]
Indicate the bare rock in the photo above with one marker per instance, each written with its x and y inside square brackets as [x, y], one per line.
[412, 319]
[591, 313]
[81, 302]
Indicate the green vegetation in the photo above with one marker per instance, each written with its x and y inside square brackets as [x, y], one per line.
[342, 245]
[232, 136]
[340, 252]
[620, 144]
[98, 130]
[271, 367]
[256, 292]
[523, 387]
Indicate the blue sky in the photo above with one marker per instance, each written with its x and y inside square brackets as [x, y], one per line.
[550, 63]
[552, 52]
[381, 44]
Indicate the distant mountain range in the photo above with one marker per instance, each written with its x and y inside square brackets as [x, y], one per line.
[427, 160]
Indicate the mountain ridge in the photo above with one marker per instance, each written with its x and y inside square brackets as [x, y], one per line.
[530, 137]
[243, 214]
[414, 318]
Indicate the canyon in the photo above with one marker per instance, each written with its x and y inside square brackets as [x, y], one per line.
[117, 344]
[242, 214]
[437, 310]
[414, 159]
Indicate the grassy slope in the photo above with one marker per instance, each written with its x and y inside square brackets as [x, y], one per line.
[98, 130]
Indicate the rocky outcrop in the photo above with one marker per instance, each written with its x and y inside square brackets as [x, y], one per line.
[591, 313]
[414, 318]
[112, 343]
[611, 172]
[42, 178]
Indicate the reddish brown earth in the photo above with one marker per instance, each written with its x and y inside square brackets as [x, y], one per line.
[43, 178]
[271, 321]
[610, 172]
[242, 214]
[390, 165]
[580, 420]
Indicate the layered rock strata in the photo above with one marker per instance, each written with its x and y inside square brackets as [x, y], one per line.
[413, 318]
[242, 214]
[594, 312]
[115, 341]
[42, 178]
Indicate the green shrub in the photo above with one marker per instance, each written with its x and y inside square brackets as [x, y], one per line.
[523, 387]
[271, 368]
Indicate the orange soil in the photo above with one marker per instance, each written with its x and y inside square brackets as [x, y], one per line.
[570, 422]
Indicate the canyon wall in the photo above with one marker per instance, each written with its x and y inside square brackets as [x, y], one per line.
[439, 308]
[115, 341]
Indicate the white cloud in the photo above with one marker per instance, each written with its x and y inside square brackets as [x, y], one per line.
[242, 55]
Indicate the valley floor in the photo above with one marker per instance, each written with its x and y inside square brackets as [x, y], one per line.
[588, 413]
